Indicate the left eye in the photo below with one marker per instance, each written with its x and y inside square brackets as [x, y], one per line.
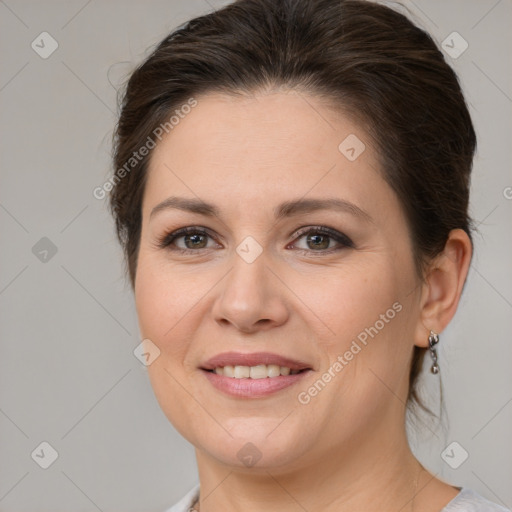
[319, 239]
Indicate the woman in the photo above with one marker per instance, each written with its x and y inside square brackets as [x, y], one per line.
[291, 192]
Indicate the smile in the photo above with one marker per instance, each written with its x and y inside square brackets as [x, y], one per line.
[253, 375]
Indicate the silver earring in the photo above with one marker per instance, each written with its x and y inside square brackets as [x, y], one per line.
[433, 340]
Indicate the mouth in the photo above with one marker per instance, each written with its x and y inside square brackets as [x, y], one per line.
[253, 375]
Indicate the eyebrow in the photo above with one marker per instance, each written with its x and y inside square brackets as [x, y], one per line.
[286, 209]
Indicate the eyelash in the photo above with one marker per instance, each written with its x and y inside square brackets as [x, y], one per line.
[166, 240]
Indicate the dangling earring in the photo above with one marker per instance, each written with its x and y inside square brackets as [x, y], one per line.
[433, 340]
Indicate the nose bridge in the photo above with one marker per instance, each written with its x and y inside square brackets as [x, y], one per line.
[251, 296]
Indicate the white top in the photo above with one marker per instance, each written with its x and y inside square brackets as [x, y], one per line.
[466, 501]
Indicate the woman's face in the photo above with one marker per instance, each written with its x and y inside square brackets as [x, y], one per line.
[274, 280]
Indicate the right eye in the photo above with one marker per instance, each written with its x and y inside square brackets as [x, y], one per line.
[194, 239]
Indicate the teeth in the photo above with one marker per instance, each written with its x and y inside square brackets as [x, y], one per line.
[261, 371]
[257, 372]
[274, 370]
[229, 371]
[285, 371]
[242, 372]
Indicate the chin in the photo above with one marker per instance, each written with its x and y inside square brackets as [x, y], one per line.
[252, 447]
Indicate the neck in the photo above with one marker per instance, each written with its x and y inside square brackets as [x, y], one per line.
[374, 473]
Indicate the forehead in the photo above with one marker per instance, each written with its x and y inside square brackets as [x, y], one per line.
[252, 150]
[258, 129]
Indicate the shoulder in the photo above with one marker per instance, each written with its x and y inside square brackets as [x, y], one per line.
[470, 501]
[186, 501]
[466, 501]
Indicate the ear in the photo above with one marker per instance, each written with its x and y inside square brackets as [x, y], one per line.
[443, 286]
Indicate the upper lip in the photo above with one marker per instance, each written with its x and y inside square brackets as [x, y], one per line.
[253, 359]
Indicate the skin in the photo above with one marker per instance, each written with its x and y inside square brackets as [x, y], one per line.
[346, 450]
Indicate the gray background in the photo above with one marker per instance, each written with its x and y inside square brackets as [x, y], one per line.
[68, 329]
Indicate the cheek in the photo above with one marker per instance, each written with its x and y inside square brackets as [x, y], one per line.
[163, 309]
[162, 301]
[361, 320]
[348, 300]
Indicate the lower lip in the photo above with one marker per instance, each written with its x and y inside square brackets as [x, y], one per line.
[253, 388]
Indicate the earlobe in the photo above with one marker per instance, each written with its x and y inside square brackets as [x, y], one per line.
[443, 286]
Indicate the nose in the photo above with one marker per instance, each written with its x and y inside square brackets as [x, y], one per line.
[251, 298]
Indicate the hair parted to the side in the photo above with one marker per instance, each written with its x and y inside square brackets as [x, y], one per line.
[365, 58]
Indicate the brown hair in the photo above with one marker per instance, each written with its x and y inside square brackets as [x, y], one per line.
[368, 59]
